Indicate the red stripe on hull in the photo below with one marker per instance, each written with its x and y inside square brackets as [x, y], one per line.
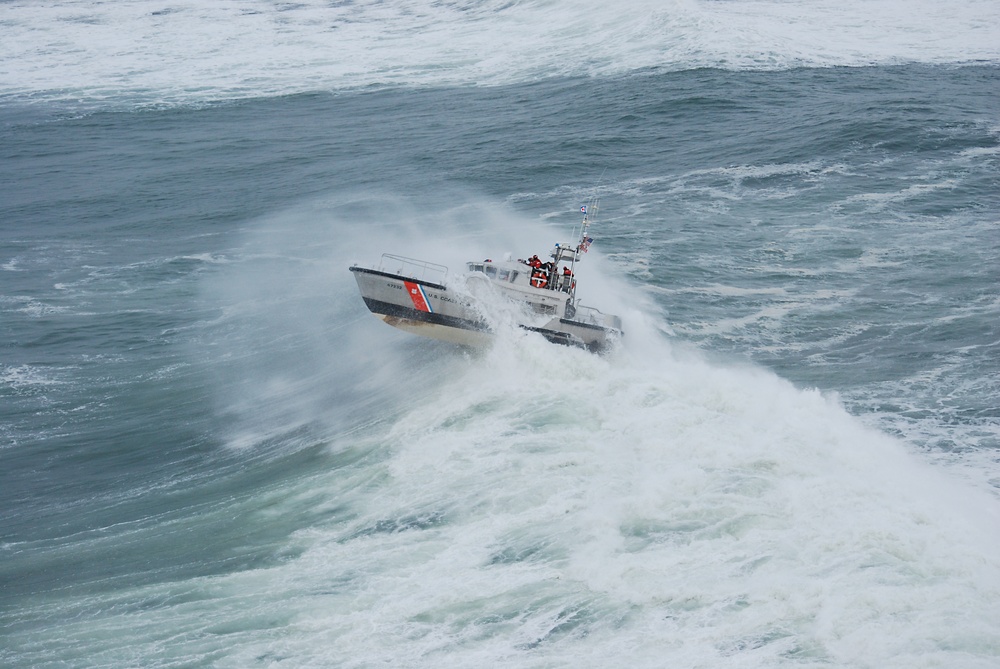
[418, 297]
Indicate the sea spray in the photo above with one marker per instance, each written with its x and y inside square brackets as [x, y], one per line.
[547, 503]
[538, 501]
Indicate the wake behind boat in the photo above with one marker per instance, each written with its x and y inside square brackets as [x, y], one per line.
[421, 297]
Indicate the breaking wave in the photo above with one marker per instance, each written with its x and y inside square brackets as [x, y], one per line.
[138, 52]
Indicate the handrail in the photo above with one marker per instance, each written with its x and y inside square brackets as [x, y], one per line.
[402, 262]
[598, 317]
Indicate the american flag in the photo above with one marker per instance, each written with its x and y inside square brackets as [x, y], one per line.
[586, 244]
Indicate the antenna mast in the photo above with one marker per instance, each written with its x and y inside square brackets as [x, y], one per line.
[589, 211]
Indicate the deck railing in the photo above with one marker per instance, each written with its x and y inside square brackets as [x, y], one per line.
[597, 317]
[418, 269]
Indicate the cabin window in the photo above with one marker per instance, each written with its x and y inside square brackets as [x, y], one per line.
[513, 276]
[491, 271]
[473, 267]
[504, 274]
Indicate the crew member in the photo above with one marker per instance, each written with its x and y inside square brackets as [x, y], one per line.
[567, 280]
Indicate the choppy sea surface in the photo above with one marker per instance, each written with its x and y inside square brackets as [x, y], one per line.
[212, 455]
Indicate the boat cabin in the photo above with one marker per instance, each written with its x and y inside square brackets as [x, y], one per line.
[494, 272]
[556, 275]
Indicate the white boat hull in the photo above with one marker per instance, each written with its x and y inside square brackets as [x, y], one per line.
[429, 309]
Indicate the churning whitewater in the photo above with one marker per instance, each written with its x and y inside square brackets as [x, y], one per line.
[212, 454]
[139, 52]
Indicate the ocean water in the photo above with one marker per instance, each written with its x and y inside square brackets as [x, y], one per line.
[212, 455]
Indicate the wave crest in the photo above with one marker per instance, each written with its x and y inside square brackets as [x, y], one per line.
[190, 52]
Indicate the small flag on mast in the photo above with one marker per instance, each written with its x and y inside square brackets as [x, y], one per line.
[583, 209]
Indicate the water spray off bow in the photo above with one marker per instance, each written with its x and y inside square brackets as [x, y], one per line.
[413, 295]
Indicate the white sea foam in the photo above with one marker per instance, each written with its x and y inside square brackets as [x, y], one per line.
[540, 504]
[140, 52]
[27, 376]
[879, 201]
[655, 505]
[543, 506]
